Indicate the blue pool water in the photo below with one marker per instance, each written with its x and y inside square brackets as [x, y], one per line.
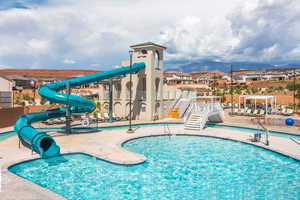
[183, 167]
[6, 135]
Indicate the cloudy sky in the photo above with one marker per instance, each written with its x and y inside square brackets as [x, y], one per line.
[96, 34]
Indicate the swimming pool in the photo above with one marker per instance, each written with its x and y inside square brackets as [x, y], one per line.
[6, 135]
[183, 167]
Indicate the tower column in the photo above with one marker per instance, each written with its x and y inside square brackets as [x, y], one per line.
[152, 55]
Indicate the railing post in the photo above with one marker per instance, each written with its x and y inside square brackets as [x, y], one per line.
[267, 137]
[68, 110]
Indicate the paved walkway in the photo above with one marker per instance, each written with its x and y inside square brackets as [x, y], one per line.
[107, 145]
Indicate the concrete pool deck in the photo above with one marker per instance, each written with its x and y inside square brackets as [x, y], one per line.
[106, 145]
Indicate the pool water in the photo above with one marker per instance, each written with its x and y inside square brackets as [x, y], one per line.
[180, 167]
[6, 135]
[252, 130]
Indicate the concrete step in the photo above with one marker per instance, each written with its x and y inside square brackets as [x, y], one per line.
[192, 128]
[190, 125]
[195, 120]
[195, 117]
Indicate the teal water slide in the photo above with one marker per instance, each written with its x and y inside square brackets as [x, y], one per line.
[44, 144]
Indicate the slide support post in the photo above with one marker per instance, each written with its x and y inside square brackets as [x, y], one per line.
[110, 106]
[130, 95]
[68, 111]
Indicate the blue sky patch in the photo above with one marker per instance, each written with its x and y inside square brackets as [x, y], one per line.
[21, 4]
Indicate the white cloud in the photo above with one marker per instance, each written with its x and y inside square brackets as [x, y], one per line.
[3, 66]
[193, 38]
[269, 28]
[101, 31]
[39, 45]
[69, 61]
[257, 30]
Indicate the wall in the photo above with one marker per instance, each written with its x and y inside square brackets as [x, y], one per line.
[8, 116]
[34, 109]
[280, 99]
[5, 85]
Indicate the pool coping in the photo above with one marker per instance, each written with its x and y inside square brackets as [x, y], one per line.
[259, 145]
[246, 126]
[120, 145]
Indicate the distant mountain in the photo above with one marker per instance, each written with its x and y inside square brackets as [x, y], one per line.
[208, 65]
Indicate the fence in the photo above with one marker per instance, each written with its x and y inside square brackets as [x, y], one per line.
[279, 122]
[280, 99]
[8, 116]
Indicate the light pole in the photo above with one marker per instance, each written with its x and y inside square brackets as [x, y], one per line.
[294, 88]
[130, 130]
[110, 101]
[68, 109]
[231, 91]
[214, 83]
[33, 84]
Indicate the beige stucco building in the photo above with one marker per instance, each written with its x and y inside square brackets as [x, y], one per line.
[151, 98]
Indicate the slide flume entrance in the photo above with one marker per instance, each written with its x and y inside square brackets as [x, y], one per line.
[44, 144]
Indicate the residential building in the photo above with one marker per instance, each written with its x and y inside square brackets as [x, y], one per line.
[172, 78]
[6, 92]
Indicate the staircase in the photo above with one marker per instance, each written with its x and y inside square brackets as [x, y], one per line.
[182, 105]
[196, 122]
[196, 116]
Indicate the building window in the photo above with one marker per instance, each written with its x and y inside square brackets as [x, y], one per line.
[143, 108]
[156, 60]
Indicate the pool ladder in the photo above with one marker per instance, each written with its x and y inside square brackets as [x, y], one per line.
[262, 127]
[167, 130]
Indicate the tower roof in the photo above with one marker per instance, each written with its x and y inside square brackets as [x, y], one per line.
[147, 44]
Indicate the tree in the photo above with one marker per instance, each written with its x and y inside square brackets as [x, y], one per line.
[254, 90]
[219, 92]
[290, 86]
[43, 101]
[237, 91]
[296, 88]
[26, 97]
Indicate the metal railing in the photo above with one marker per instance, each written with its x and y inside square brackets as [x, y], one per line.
[167, 130]
[199, 108]
[262, 128]
[204, 109]
[176, 101]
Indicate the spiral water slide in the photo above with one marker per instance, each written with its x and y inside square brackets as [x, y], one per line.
[44, 144]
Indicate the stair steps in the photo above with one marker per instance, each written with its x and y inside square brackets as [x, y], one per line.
[197, 114]
[195, 122]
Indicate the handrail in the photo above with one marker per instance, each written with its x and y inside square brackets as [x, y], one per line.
[205, 117]
[177, 100]
[167, 130]
[295, 140]
[188, 113]
[264, 128]
[190, 102]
